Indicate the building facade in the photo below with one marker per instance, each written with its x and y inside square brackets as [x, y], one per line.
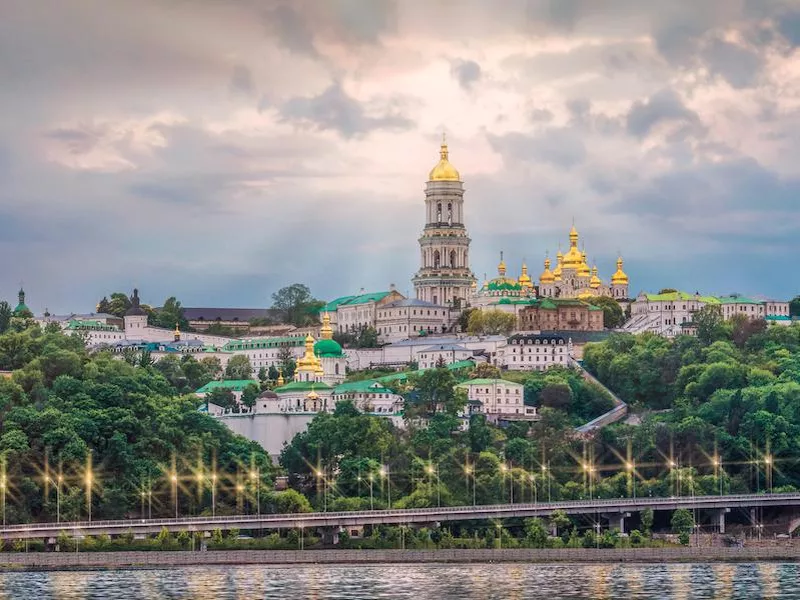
[536, 352]
[444, 277]
[350, 314]
[556, 314]
[442, 354]
[410, 317]
[498, 399]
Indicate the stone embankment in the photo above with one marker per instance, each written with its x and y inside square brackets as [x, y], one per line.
[155, 559]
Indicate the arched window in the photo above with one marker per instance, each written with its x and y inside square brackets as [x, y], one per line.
[449, 213]
[452, 258]
[336, 368]
[439, 212]
[436, 259]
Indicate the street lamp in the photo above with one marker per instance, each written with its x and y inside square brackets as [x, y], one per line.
[533, 488]
[175, 492]
[240, 497]
[470, 471]
[3, 485]
[254, 477]
[544, 474]
[321, 477]
[384, 472]
[768, 472]
[371, 503]
[213, 494]
[631, 467]
[430, 470]
[89, 494]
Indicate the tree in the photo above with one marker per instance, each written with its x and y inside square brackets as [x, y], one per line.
[169, 315]
[708, 321]
[794, 306]
[286, 361]
[682, 523]
[273, 373]
[491, 322]
[436, 391]
[5, 316]
[296, 304]
[480, 436]
[647, 520]
[535, 532]
[743, 328]
[613, 316]
[368, 338]
[250, 394]
[559, 521]
[485, 371]
[221, 397]
[239, 367]
[463, 319]
[556, 395]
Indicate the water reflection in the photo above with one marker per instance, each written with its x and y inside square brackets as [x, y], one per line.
[767, 581]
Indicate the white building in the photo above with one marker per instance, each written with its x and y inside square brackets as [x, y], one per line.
[499, 399]
[536, 352]
[446, 354]
[350, 314]
[409, 318]
[672, 313]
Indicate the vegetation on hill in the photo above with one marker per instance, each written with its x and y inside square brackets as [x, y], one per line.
[111, 428]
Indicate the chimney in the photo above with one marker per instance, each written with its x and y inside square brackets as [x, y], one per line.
[392, 287]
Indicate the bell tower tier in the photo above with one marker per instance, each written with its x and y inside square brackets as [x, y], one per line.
[444, 277]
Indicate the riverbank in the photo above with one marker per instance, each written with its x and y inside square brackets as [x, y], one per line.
[114, 560]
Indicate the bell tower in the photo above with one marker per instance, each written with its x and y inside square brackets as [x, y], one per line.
[444, 277]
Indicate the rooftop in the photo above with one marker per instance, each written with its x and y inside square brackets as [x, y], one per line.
[227, 314]
[411, 302]
[234, 385]
[485, 381]
[366, 386]
[303, 386]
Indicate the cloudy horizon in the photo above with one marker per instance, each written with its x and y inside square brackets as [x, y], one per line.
[217, 150]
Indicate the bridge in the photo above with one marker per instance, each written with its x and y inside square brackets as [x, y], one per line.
[613, 510]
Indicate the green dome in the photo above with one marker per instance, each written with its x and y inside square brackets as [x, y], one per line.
[328, 348]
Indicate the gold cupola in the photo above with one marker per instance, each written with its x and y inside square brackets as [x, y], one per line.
[595, 281]
[280, 381]
[573, 259]
[525, 279]
[559, 266]
[177, 333]
[619, 277]
[326, 331]
[308, 363]
[547, 275]
[501, 267]
[444, 171]
[583, 269]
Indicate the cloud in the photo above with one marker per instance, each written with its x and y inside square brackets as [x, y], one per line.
[242, 81]
[663, 107]
[466, 72]
[789, 27]
[334, 110]
[560, 147]
[739, 66]
[291, 30]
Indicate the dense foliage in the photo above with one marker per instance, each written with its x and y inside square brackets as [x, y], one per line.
[112, 427]
[734, 398]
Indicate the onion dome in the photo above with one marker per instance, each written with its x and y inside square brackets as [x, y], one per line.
[280, 381]
[501, 267]
[525, 279]
[327, 346]
[547, 275]
[559, 266]
[595, 282]
[583, 269]
[444, 171]
[308, 362]
[573, 259]
[619, 277]
[21, 308]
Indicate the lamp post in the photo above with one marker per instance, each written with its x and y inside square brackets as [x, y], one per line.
[321, 477]
[631, 467]
[3, 485]
[240, 497]
[384, 472]
[175, 492]
[59, 480]
[89, 494]
[430, 470]
[254, 477]
[545, 468]
[213, 494]
[470, 471]
[768, 473]
[371, 500]
[534, 492]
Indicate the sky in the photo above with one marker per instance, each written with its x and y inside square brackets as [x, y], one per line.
[217, 150]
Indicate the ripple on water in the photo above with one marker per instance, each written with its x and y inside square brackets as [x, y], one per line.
[414, 582]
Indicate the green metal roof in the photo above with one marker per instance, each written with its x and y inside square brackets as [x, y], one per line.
[485, 381]
[334, 304]
[366, 386]
[365, 298]
[778, 318]
[234, 385]
[672, 296]
[737, 300]
[272, 342]
[90, 324]
[459, 364]
[303, 386]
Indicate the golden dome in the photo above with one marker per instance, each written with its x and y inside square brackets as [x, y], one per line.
[280, 381]
[312, 395]
[444, 171]
[573, 259]
[501, 267]
[583, 269]
[309, 360]
[619, 277]
[326, 332]
[595, 281]
[585, 294]
[547, 275]
[559, 266]
[525, 279]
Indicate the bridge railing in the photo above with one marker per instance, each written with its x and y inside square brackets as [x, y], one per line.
[431, 512]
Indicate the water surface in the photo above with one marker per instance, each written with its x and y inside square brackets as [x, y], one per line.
[413, 581]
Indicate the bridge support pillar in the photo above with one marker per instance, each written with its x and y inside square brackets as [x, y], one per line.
[720, 517]
[616, 520]
[330, 535]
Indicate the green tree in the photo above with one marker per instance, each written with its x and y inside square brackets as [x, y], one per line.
[794, 306]
[169, 315]
[5, 316]
[480, 436]
[613, 316]
[535, 533]
[490, 322]
[708, 321]
[647, 520]
[368, 338]
[559, 521]
[239, 367]
[437, 392]
[296, 305]
[682, 523]
[250, 395]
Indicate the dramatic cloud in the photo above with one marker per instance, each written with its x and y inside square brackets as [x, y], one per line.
[219, 150]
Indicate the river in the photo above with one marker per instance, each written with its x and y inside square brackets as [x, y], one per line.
[417, 582]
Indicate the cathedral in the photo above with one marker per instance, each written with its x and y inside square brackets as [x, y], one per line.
[444, 277]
